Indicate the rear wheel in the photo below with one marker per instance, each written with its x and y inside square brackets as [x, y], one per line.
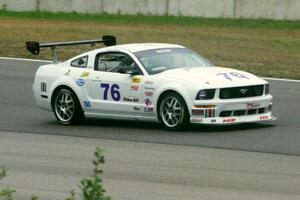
[67, 108]
[173, 112]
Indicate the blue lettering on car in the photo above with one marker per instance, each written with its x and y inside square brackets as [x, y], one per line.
[80, 82]
[87, 104]
[114, 91]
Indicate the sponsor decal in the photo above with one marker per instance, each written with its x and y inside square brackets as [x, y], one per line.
[148, 88]
[204, 106]
[148, 102]
[197, 112]
[253, 105]
[149, 82]
[136, 80]
[196, 120]
[68, 72]
[264, 117]
[148, 93]
[229, 120]
[87, 104]
[148, 109]
[131, 99]
[149, 105]
[85, 74]
[137, 108]
[80, 82]
[135, 87]
[43, 87]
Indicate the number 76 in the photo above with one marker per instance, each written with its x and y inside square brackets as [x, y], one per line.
[232, 74]
[114, 91]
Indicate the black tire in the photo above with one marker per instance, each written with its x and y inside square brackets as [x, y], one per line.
[67, 108]
[173, 112]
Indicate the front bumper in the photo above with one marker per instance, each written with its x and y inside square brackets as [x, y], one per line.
[233, 111]
[234, 120]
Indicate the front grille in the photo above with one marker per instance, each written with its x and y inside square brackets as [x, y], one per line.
[237, 113]
[261, 110]
[252, 112]
[241, 92]
[225, 113]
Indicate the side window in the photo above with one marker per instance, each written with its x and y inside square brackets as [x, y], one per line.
[116, 62]
[80, 62]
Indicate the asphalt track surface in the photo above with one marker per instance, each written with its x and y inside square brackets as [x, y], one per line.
[50, 166]
[19, 113]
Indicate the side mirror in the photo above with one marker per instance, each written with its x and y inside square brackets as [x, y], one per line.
[133, 72]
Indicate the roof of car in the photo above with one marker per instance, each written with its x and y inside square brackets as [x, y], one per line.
[143, 46]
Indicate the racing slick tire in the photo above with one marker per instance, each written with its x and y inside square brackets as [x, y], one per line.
[67, 108]
[173, 112]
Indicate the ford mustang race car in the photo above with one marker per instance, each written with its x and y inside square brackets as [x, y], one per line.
[166, 83]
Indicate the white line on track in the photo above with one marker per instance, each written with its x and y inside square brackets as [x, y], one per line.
[49, 61]
[281, 79]
[25, 59]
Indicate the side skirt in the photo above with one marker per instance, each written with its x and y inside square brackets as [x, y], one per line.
[122, 116]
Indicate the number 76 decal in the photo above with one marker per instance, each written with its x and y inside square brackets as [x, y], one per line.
[114, 91]
[232, 74]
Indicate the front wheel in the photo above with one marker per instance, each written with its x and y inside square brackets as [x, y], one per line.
[173, 112]
[67, 108]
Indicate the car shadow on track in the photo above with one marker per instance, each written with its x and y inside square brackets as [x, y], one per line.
[158, 127]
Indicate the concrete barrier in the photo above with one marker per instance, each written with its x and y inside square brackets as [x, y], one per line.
[202, 8]
[80, 6]
[18, 5]
[266, 9]
[146, 7]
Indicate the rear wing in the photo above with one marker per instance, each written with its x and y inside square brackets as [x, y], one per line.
[34, 47]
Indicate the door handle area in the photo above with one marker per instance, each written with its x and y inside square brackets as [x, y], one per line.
[96, 79]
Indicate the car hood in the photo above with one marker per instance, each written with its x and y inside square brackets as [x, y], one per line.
[213, 77]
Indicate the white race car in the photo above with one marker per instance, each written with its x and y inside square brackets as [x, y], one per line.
[166, 83]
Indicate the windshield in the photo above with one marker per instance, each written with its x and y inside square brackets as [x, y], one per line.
[158, 60]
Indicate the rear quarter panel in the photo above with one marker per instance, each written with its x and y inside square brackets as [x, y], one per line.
[53, 75]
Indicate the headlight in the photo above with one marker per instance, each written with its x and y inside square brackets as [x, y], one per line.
[206, 94]
[267, 89]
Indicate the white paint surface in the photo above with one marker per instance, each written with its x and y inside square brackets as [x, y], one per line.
[48, 61]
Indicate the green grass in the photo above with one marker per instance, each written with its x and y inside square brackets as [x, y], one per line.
[264, 47]
[156, 20]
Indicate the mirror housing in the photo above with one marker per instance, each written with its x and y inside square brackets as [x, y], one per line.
[133, 72]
